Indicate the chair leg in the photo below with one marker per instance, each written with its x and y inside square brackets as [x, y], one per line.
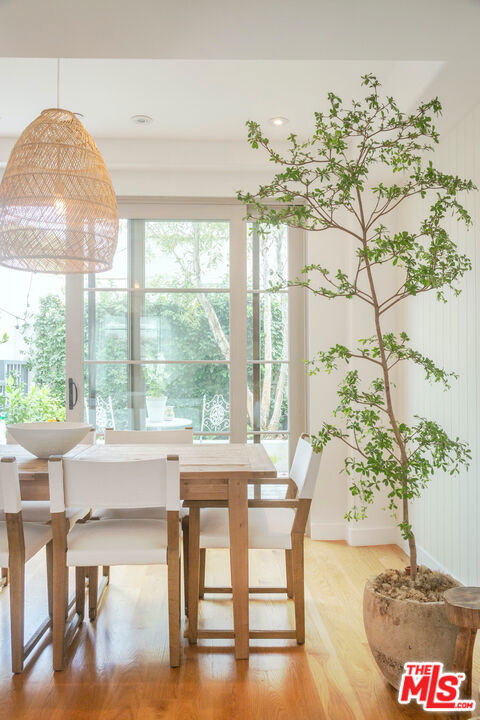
[92, 573]
[49, 557]
[80, 574]
[174, 589]
[289, 572]
[17, 611]
[59, 608]
[60, 587]
[201, 585]
[185, 562]
[298, 586]
[66, 586]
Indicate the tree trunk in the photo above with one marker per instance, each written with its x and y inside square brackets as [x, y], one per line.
[388, 394]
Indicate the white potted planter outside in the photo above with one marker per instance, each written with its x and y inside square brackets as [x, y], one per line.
[156, 408]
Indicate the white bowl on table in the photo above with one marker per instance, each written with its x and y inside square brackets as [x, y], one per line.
[48, 438]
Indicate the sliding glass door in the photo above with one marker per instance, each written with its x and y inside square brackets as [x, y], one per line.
[183, 331]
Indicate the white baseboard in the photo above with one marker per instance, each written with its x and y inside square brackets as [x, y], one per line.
[425, 558]
[327, 531]
[357, 536]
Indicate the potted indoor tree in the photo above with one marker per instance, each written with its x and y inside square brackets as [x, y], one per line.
[361, 165]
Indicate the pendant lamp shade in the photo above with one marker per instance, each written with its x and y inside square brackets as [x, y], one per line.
[58, 212]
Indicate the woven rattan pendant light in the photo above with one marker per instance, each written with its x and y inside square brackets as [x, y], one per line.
[58, 212]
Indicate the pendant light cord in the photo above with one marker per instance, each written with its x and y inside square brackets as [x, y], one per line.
[58, 82]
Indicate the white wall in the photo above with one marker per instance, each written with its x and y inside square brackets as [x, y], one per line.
[330, 322]
[177, 168]
[446, 518]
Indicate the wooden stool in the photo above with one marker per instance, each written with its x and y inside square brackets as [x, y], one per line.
[463, 609]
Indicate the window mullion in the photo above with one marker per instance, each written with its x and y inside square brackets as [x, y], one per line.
[238, 326]
[256, 368]
[92, 312]
[297, 350]
[136, 310]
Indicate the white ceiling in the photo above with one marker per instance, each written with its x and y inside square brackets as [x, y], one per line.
[194, 99]
[202, 68]
[249, 29]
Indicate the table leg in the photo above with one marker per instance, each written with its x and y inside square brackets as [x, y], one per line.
[238, 522]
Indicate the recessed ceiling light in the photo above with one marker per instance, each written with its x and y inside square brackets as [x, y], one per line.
[279, 120]
[142, 119]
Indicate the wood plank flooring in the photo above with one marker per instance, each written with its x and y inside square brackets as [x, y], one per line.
[119, 666]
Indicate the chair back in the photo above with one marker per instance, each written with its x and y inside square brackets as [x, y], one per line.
[305, 467]
[95, 483]
[10, 501]
[153, 437]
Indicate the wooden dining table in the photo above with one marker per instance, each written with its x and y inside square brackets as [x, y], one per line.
[208, 472]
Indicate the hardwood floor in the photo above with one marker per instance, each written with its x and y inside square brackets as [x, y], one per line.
[119, 666]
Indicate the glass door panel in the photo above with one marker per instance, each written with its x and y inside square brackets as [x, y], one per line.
[187, 254]
[267, 344]
[32, 347]
[185, 326]
[157, 348]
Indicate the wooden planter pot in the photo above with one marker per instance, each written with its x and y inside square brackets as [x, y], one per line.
[400, 631]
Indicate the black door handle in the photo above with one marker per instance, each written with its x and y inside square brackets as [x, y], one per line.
[72, 394]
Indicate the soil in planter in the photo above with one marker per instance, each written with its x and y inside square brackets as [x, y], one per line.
[428, 585]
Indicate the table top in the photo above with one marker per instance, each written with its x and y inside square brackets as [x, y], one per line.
[197, 461]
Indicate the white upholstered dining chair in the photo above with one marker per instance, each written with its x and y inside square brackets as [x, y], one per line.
[20, 541]
[142, 437]
[38, 511]
[123, 541]
[272, 524]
